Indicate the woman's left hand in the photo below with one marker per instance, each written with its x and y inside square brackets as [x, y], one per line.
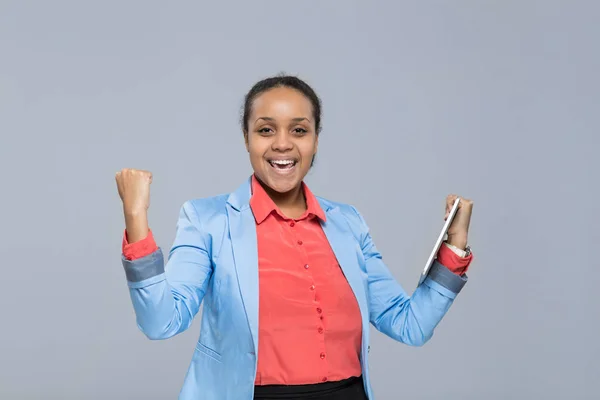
[459, 229]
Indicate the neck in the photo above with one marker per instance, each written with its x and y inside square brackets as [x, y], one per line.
[287, 202]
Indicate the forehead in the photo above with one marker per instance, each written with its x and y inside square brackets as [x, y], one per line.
[282, 102]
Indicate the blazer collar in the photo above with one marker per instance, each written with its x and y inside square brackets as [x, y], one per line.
[240, 198]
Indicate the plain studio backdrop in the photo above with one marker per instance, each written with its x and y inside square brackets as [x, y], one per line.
[496, 101]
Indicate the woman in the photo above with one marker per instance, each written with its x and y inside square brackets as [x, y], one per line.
[290, 281]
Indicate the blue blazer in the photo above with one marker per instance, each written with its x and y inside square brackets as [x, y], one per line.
[214, 260]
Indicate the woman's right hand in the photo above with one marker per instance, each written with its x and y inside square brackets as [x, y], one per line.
[134, 190]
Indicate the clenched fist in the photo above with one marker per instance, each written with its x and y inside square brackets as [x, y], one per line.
[134, 190]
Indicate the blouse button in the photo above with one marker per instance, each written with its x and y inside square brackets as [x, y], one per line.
[320, 330]
[306, 266]
[292, 224]
[319, 310]
[312, 287]
[300, 242]
[322, 356]
[324, 379]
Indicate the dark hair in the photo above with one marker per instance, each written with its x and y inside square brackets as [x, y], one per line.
[287, 81]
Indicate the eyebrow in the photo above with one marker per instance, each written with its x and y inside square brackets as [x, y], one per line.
[297, 119]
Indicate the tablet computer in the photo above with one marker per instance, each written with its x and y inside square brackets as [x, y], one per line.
[439, 240]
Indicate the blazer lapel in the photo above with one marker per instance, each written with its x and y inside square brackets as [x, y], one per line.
[343, 244]
[242, 230]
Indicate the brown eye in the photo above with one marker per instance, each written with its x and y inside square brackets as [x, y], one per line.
[300, 131]
[264, 130]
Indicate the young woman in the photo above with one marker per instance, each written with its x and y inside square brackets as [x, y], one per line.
[290, 281]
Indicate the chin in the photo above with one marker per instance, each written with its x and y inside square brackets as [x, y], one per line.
[281, 181]
[280, 184]
[283, 187]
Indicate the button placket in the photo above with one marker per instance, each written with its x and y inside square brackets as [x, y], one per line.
[296, 233]
[302, 252]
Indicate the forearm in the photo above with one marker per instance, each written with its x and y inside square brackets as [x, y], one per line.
[136, 225]
[458, 240]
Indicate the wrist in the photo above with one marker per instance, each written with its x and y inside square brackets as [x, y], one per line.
[134, 212]
[459, 241]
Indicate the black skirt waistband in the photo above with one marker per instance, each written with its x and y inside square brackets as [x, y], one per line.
[309, 391]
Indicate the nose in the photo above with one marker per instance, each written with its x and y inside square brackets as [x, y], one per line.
[281, 142]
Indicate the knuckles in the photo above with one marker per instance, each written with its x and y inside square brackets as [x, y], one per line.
[451, 197]
[131, 173]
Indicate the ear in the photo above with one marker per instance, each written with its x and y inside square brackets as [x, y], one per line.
[246, 141]
[316, 144]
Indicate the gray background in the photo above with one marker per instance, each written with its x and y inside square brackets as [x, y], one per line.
[497, 101]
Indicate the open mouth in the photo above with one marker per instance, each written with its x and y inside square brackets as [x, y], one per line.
[283, 165]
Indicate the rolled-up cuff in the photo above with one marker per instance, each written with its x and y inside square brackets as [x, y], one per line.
[454, 262]
[144, 268]
[139, 249]
[446, 278]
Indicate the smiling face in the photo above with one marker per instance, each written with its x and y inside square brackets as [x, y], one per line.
[281, 138]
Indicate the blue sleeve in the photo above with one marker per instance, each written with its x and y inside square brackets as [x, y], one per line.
[407, 319]
[166, 298]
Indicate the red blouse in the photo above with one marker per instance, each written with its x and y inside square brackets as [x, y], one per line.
[309, 322]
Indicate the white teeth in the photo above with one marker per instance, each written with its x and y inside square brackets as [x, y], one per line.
[282, 162]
